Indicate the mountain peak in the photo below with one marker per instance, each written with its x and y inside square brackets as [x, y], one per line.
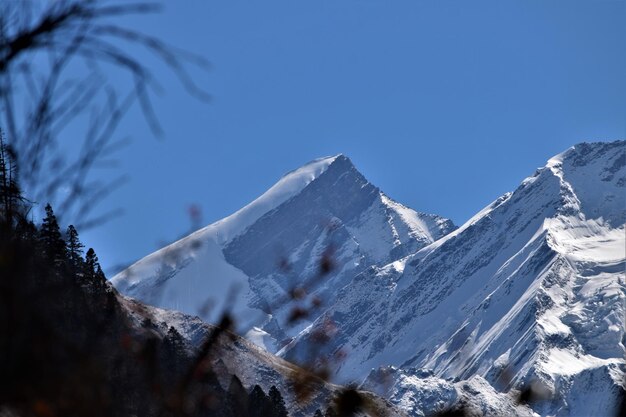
[289, 185]
[312, 170]
[322, 213]
[322, 162]
[584, 153]
[593, 178]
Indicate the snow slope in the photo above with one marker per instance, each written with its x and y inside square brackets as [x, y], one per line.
[206, 286]
[532, 287]
[250, 261]
[422, 394]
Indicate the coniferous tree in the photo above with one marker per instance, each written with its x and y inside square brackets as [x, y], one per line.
[91, 259]
[14, 207]
[175, 354]
[74, 248]
[278, 404]
[93, 272]
[12, 203]
[176, 341]
[100, 277]
[26, 230]
[50, 238]
[237, 397]
[259, 404]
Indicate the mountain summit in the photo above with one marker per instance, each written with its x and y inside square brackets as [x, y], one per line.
[323, 218]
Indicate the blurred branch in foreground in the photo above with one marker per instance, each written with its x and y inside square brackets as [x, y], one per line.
[58, 66]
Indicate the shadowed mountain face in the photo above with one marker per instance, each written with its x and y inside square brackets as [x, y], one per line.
[316, 229]
[331, 202]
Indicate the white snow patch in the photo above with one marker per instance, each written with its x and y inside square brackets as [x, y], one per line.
[587, 240]
[258, 337]
[564, 362]
[205, 284]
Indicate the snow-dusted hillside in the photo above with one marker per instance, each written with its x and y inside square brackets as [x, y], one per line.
[233, 355]
[530, 290]
[317, 228]
[422, 394]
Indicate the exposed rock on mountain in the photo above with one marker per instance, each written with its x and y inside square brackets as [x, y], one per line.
[316, 229]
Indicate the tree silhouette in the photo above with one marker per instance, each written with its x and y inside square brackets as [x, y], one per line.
[237, 397]
[50, 237]
[41, 100]
[259, 404]
[278, 404]
[11, 196]
[74, 248]
[93, 272]
[61, 63]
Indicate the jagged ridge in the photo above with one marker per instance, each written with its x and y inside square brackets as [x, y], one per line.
[532, 285]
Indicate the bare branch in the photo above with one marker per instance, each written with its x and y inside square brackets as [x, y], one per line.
[65, 34]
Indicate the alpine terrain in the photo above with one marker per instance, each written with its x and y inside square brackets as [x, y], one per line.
[518, 311]
[315, 230]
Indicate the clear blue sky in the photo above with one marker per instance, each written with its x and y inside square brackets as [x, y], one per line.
[444, 105]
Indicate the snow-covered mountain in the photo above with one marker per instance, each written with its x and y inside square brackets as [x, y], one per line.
[531, 290]
[313, 231]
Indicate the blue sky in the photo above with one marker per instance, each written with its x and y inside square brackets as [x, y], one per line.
[444, 105]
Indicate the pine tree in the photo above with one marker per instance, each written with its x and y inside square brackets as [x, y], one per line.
[93, 271]
[175, 354]
[278, 404]
[74, 248]
[259, 404]
[12, 207]
[50, 238]
[91, 260]
[99, 275]
[237, 397]
[176, 341]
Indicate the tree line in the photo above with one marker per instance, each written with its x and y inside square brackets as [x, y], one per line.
[67, 346]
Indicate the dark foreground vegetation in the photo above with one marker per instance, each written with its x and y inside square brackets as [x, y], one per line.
[67, 344]
[68, 348]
